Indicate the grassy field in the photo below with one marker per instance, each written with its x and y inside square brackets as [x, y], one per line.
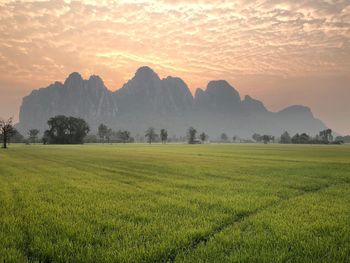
[175, 203]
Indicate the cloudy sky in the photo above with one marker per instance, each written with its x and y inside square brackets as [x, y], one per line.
[281, 52]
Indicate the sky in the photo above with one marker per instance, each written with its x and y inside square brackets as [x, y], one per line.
[280, 52]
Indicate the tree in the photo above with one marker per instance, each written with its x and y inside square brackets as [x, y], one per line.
[301, 138]
[16, 137]
[296, 139]
[163, 135]
[257, 137]
[108, 135]
[66, 130]
[191, 135]
[285, 138]
[343, 139]
[102, 131]
[151, 135]
[304, 138]
[326, 136]
[124, 136]
[33, 135]
[46, 137]
[6, 131]
[267, 138]
[223, 137]
[203, 137]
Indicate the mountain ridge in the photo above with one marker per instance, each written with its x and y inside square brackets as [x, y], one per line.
[147, 100]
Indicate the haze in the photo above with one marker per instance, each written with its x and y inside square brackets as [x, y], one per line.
[297, 52]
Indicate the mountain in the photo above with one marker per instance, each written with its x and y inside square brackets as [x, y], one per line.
[146, 100]
[146, 92]
[253, 106]
[89, 99]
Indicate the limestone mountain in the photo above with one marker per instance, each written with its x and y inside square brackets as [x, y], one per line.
[146, 100]
[89, 99]
[146, 92]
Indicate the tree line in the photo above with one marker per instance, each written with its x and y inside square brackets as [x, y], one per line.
[62, 130]
[107, 135]
[71, 130]
[324, 137]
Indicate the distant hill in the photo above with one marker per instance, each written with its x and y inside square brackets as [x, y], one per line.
[146, 100]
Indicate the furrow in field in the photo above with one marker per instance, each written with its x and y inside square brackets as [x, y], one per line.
[194, 243]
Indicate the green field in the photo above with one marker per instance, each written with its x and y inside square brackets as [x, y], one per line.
[182, 203]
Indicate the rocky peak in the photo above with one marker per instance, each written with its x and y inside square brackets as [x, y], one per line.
[247, 98]
[177, 85]
[253, 105]
[177, 94]
[95, 82]
[219, 98]
[297, 110]
[96, 78]
[221, 89]
[145, 92]
[74, 79]
[146, 74]
[199, 92]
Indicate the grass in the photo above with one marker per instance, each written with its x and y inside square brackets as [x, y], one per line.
[175, 203]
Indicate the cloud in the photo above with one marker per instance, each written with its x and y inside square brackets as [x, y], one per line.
[43, 41]
[200, 37]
